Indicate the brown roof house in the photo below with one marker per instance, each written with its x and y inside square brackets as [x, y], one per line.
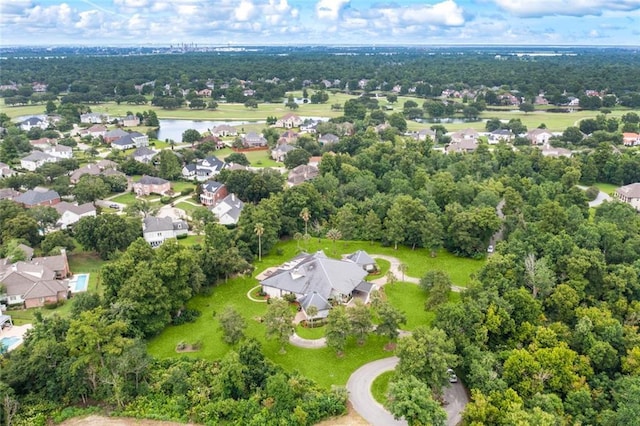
[629, 194]
[288, 121]
[301, 174]
[151, 185]
[37, 282]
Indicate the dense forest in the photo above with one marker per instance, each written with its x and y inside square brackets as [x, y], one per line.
[273, 73]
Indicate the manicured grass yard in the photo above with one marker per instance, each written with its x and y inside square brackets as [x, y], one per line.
[127, 198]
[87, 263]
[607, 188]
[310, 333]
[180, 185]
[256, 158]
[380, 386]
[410, 299]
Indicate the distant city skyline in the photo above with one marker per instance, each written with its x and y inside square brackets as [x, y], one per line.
[319, 22]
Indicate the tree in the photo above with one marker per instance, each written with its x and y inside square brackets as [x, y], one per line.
[251, 103]
[372, 229]
[232, 325]
[305, 215]
[389, 320]
[526, 107]
[22, 227]
[106, 233]
[259, 230]
[53, 241]
[237, 158]
[296, 158]
[360, 318]
[191, 136]
[311, 313]
[170, 166]
[338, 329]
[392, 98]
[278, 321]
[438, 285]
[200, 218]
[398, 121]
[402, 268]
[427, 354]
[411, 399]
[334, 235]
[90, 188]
[538, 276]
[46, 216]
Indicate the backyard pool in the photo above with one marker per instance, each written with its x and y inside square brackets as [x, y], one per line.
[78, 283]
[8, 343]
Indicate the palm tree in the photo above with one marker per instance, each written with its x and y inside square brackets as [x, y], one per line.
[305, 215]
[391, 278]
[402, 268]
[333, 234]
[259, 230]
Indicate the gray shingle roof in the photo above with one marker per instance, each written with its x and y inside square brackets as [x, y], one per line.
[151, 180]
[361, 258]
[157, 224]
[32, 197]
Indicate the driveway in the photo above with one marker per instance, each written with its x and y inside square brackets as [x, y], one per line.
[359, 388]
[601, 198]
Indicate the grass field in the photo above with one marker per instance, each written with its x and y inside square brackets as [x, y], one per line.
[607, 188]
[553, 121]
[410, 299]
[256, 158]
[310, 333]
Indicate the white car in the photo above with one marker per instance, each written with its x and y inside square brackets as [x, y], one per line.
[490, 249]
[452, 376]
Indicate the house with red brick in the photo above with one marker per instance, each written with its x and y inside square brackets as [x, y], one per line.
[151, 185]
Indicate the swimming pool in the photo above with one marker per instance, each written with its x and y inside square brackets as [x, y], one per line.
[78, 283]
[7, 343]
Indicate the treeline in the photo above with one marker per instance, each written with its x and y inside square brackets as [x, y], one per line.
[110, 77]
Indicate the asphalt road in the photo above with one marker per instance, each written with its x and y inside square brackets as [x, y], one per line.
[359, 387]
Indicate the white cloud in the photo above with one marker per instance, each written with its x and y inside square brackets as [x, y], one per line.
[330, 9]
[246, 11]
[131, 4]
[538, 8]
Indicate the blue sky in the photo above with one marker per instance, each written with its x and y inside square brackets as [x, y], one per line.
[266, 22]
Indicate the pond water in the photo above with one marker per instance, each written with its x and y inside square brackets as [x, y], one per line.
[447, 120]
[173, 129]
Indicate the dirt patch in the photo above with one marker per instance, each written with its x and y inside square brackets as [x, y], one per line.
[117, 421]
[350, 419]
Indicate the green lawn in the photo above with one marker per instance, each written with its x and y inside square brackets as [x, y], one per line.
[127, 198]
[180, 185]
[607, 188]
[310, 333]
[191, 239]
[380, 386]
[187, 207]
[383, 268]
[256, 158]
[410, 299]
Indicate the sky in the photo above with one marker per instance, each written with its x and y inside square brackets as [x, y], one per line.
[319, 22]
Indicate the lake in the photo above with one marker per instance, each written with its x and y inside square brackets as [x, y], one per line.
[173, 129]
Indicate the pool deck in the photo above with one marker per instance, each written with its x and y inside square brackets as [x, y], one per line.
[15, 331]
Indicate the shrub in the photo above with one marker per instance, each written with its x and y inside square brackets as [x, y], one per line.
[185, 316]
[182, 236]
[186, 191]
[165, 199]
[592, 193]
[290, 297]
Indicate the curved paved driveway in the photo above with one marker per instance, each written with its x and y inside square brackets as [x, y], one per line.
[359, 387]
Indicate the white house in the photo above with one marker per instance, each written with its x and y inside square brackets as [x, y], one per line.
[36, 159]
[629, 194]
[156, 230]
[539, 136]
[228, 210]
[60, 151]
[32, 122]
[72, 213]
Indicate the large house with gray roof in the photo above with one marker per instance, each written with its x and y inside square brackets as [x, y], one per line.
[228, 210]
[318, 280]
[38, 197]
[155, 230]
[629, 194]
[148, 185]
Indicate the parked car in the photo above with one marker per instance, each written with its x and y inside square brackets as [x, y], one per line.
[114, 206]
[490, 249]
[452, 376]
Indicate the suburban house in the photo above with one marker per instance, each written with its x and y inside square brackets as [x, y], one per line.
[309, 127]
[362, 259]
[228, 210]
[288, 137]
[423, 134]
[37, 282]
[212, 192]
[59, 151]
[301, 174]
[328, 139]
[8, 194]
[38, 197]
[144, 154]
[539, 136]
[317, 280]
[130, 121]
[155, 230]
[32, 122]
[498, 135]
[288, 121]
[94, 118]
[224, 130]
[131, 140]
[36, 159]
[43, 143]
[465, 135]
[631, 139]
[279, 153]
[629, 194]
[72, 213]
[253, 140]
[151, 185]
[95, 131]
[462, 146]
[89, 169]
[204, 169]
[550, 151]
[6, 171]
[114, 135]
